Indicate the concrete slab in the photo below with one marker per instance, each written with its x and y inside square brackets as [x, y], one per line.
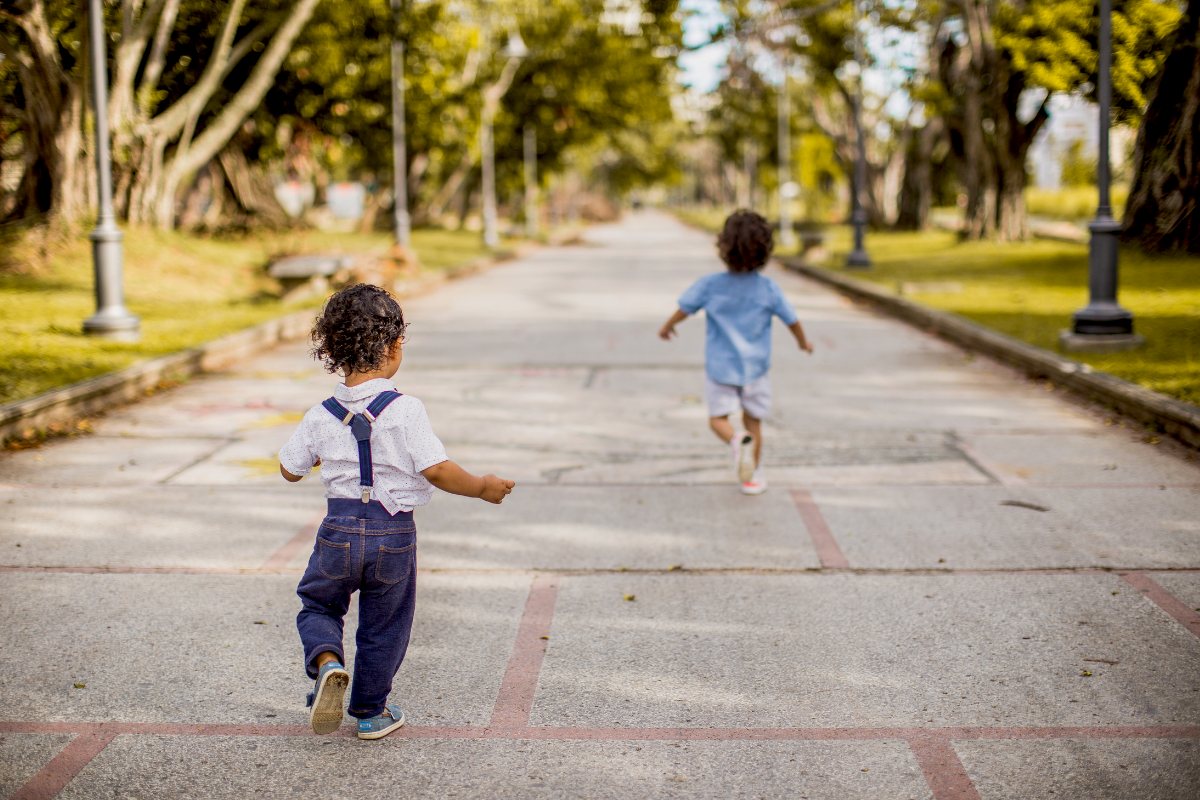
[224, 649]
[1155, 769]
[22, 755]
[971, 528]
[251, 459]
[269, 767]
[863, 651]
[1097, 456]
[228, 527]
[614, 527]
[105, 461]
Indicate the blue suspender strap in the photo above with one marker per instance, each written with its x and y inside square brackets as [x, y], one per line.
[381, 401]
[338, 410]
[360, 426]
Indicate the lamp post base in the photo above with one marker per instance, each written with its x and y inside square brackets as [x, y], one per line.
[118, 327]
[858, 260]
[1099, 342]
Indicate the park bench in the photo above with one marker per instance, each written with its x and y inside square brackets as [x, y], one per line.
[301, 276]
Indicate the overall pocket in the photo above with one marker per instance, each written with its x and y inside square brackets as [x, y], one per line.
[393, 564]
[333, 559]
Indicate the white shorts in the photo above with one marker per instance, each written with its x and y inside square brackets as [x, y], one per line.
[754, 398]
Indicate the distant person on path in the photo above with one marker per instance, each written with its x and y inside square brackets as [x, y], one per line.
[379, 458]
[739, 305]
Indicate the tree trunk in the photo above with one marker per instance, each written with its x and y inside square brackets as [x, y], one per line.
[1161, 214]
[252, 188]
[916, 190]
[56, 179]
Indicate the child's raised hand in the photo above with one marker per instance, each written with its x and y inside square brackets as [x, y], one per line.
[668, 328]
[494, 489]
[807, 347]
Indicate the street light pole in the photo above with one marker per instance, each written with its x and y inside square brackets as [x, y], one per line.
[787, 189]
[531, 186]
[1103, 325]
[858, 215]
[111, 320]
[401, 219]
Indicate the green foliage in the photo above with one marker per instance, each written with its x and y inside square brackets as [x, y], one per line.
[1078, 168]
[1054, 43]
[816, 169]
[582, 82]
[1073, 203]
[586, 84]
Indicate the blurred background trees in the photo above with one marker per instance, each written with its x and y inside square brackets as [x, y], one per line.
[243, 113]
[954, 94]
[215, 104]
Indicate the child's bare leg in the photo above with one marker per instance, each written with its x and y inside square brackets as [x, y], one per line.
[324, 657]
[722, 427]
[754, 428]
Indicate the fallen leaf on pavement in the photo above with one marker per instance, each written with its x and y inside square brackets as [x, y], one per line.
[630, 597]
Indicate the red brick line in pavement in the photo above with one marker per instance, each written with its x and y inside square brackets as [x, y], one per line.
[515, 699]
[1183, 614]
[304, 538]
[944, 772]
[569, 573]
[61, 769]
[1100, 732]
[932, 748]
[822, 538]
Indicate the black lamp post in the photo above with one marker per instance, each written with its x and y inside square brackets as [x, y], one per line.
[858, 215]
[1103, 326]
[111, 320]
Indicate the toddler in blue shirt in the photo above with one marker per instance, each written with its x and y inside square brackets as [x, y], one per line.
[739, 305]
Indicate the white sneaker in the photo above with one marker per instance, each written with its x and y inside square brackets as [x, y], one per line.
[743, 454]
[756, 485]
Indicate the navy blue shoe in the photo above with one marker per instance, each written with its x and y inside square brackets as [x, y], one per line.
[378, 727]
[325, 701]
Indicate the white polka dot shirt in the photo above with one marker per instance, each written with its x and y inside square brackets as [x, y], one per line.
[402, 445]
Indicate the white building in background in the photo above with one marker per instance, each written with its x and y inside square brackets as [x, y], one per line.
[1072, 119]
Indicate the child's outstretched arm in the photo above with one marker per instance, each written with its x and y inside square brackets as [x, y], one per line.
[450, 477]
[668, 328]
[801, 339]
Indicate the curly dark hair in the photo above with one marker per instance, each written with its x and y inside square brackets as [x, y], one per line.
[746, 242]
[357, 329]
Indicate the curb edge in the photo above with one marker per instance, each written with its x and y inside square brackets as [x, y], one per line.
[1176, 418]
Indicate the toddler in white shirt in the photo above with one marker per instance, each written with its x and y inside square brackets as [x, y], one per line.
[379, 459]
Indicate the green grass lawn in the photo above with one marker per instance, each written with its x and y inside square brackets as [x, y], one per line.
[187, 290]
[1030, 290]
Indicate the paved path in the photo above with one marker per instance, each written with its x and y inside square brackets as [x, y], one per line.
[958, 586]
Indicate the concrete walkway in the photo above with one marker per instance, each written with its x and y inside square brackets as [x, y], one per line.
[958, 586]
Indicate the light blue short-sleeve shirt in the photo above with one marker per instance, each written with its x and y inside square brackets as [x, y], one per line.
[739, 307]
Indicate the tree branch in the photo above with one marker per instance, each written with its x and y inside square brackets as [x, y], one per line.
[221, 129]
[243, 47]
[128, 57]
[187, 108]
[158, 56]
